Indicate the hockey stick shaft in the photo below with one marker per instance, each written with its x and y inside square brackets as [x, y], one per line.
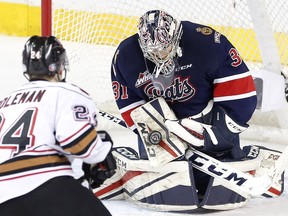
[112, 118]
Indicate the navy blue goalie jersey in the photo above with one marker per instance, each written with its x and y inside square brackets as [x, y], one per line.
[210, 68]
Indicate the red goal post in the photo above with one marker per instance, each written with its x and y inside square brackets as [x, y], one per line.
[92, 29]
[46, 17]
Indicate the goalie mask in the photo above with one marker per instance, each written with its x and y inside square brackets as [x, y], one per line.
[159, 37]
[44, 56]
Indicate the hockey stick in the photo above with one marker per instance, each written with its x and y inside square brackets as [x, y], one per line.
[232, 178]
[112, 118]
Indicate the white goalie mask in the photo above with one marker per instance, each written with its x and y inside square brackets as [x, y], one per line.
[159, 38]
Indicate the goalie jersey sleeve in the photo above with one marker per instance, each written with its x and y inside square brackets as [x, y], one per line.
[44, 126]
[210, 68]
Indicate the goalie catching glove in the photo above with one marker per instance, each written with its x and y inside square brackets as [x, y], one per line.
[217, 137]
[98, 173]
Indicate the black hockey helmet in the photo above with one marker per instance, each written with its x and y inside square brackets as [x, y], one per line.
[44, 56]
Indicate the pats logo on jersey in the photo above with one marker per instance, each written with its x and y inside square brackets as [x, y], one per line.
[181, 90]
[143, 78]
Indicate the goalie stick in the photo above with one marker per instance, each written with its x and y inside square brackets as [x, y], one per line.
[240, 182]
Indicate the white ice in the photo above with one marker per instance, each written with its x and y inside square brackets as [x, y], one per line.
[11, 77]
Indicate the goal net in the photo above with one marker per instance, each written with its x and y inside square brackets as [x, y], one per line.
[92, 29]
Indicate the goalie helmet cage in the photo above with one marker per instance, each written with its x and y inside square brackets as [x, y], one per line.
[91, 30]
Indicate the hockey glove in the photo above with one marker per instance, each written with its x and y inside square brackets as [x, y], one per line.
[217, 137]
[103, 170]
[223, 132]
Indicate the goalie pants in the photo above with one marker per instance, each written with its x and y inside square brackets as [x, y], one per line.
[57, 197]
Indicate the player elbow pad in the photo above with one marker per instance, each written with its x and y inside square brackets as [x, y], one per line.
[223, 132]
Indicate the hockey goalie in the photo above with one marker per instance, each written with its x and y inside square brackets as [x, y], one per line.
[186, 91]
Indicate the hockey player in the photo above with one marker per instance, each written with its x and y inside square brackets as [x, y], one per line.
[45, 125]
[211, 96]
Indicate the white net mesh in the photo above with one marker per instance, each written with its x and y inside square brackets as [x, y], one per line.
[92, 29]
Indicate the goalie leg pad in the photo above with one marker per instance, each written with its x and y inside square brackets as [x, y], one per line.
[168, 188]
[112, 188]
[229, 199]
[217, 197]
[268, 159]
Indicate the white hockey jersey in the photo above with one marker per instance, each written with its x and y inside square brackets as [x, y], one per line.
[43, 126]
